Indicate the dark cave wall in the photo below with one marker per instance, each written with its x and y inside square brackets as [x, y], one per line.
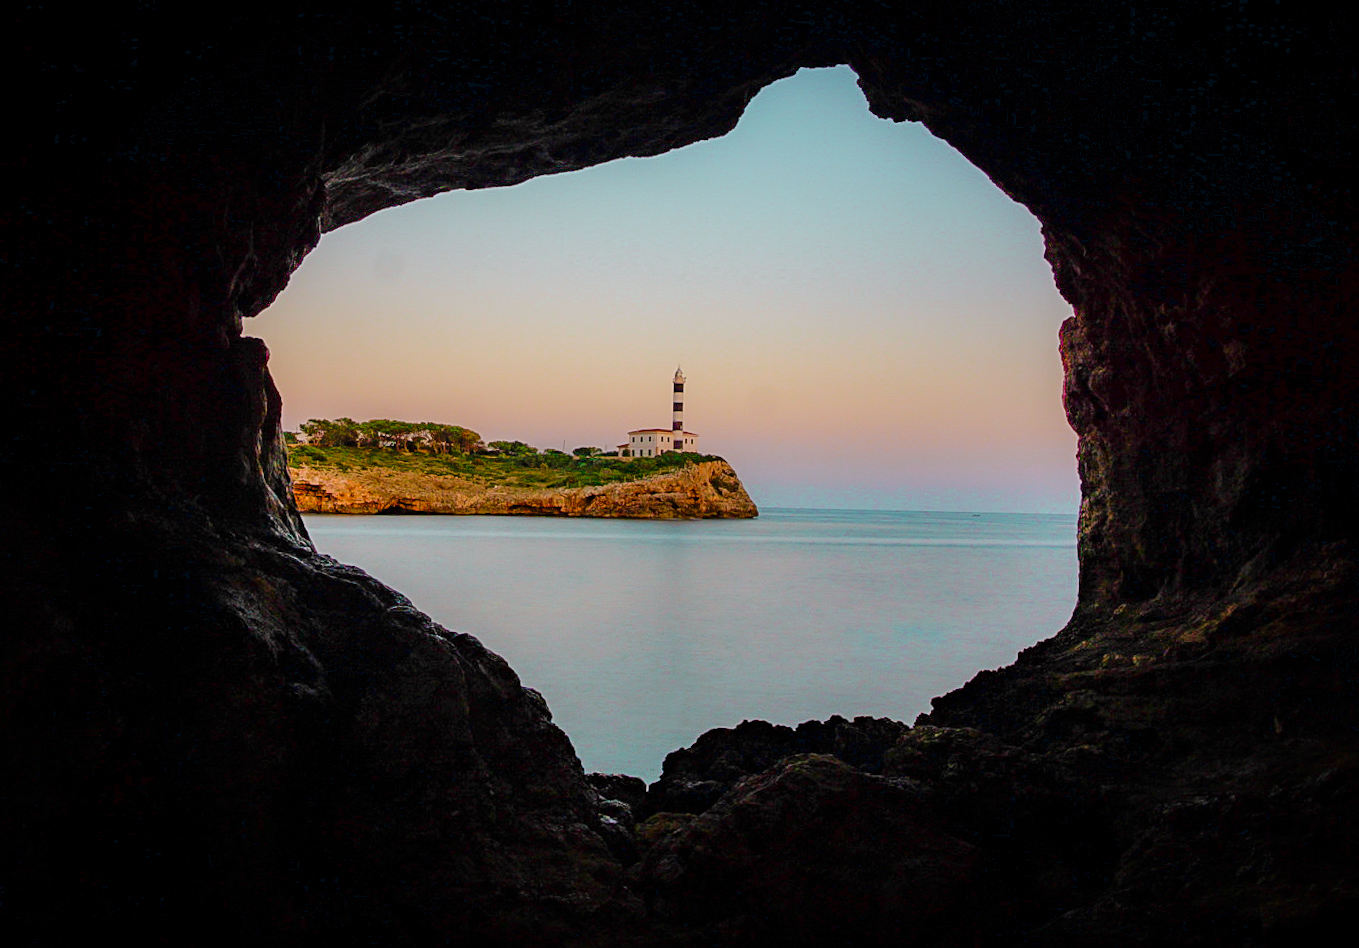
[185, 665]
[1216, 412]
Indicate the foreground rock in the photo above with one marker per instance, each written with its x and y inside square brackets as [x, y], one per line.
[706, 489]
[896, 824]
[694, 778]
[814, 852]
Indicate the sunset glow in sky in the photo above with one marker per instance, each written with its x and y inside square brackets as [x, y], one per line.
[864, 319]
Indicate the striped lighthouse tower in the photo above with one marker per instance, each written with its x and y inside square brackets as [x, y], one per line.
[677, 421]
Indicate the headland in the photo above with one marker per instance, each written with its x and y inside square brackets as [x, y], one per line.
[370, 481]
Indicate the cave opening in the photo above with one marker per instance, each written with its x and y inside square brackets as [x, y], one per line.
[868, 324]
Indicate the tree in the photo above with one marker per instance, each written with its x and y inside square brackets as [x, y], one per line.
[342, 432]
[408, 436]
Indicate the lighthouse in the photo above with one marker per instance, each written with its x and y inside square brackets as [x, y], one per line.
[677, 420]
[650, 442]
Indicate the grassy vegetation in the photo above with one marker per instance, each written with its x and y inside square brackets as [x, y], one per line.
[549, 469]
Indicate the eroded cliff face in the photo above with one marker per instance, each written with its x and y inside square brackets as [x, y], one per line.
[706, 489]
[205, 720]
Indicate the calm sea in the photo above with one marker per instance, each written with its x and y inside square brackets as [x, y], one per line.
[642, 634]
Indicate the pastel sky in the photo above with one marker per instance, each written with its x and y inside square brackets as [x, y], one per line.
[864, 319]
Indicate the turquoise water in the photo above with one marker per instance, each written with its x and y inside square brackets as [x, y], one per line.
[642, 634]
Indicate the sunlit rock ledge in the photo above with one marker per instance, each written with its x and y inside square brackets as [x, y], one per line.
[706, 489]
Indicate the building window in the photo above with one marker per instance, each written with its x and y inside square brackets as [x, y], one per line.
[679, 406]
[679, 386]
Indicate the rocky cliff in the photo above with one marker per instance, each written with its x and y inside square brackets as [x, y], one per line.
[212, 733]
[701, 490]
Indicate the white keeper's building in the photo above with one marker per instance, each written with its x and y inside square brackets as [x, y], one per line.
[649, 442]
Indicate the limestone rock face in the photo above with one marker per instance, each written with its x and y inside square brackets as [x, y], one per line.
[208, 726]
[707, 489]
